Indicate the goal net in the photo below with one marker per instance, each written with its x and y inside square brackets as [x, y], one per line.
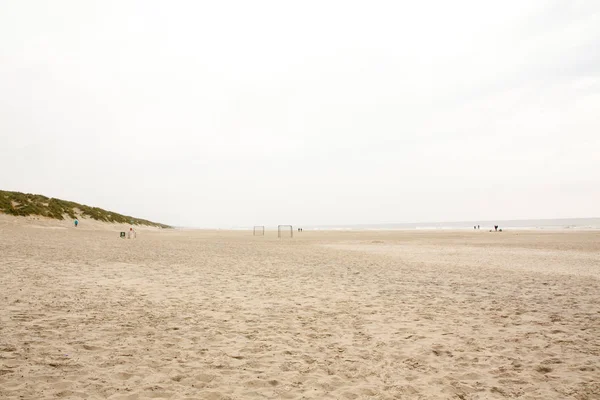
[285, 231]
[259, 231]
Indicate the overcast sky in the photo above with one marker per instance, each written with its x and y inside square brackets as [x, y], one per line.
[235, 113]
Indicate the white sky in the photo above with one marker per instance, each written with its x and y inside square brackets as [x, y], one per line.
[234, 113]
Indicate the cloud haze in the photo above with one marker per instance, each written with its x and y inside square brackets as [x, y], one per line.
[237, 113]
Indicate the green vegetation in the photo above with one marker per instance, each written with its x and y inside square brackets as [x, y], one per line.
[24, 204]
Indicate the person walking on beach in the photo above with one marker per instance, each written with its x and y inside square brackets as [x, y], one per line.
[131, 234]
[76, 222]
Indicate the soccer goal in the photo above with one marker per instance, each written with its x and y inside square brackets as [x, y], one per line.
[259, 231]
[285, 231]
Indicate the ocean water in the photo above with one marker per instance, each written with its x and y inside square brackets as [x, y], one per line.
[549, 224]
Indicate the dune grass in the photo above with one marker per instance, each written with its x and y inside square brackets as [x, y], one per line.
[26, 204]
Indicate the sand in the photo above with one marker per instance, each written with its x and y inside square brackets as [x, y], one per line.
[327, 315]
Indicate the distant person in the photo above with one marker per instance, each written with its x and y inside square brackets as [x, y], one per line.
[478, 227]
[76, 222]
[496, 227]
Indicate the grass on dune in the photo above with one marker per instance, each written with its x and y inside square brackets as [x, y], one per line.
[26, 204]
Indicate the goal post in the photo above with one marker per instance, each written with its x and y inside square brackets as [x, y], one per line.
[285, 231]
[259, 230]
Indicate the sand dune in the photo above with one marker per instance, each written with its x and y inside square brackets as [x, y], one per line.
[327, 315]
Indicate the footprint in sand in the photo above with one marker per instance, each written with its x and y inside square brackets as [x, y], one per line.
[70, 394]
[123, 376]
[204, 378]
[91, 348]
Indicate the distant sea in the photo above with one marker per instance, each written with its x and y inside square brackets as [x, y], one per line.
[550, 224]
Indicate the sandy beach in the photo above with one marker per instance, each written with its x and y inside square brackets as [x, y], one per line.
[180, 314]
